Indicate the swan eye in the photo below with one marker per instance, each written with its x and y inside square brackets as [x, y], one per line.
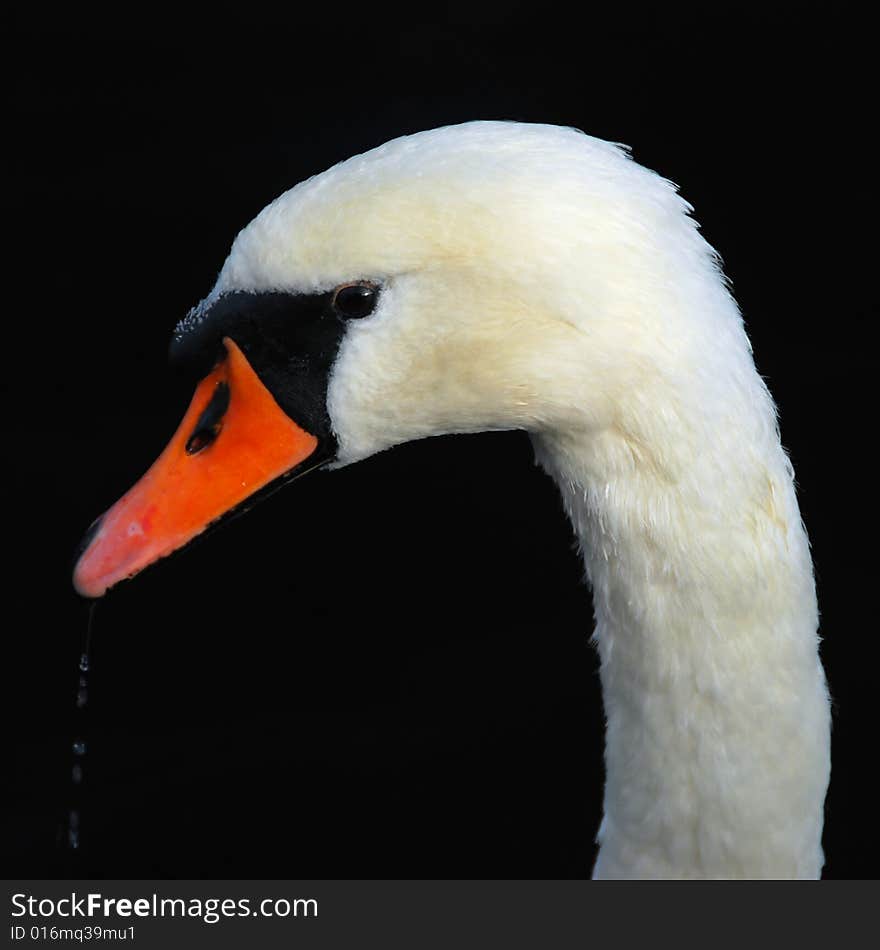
[354, 301]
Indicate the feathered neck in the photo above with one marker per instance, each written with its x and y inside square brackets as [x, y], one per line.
[717, 743]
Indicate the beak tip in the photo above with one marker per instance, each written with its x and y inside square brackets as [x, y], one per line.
[87, 587]
[85, 591]
[81, 583]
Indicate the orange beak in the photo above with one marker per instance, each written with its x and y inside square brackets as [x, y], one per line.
[233, 441]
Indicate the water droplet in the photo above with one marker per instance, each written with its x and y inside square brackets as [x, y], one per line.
[79, 746]
[73, 829]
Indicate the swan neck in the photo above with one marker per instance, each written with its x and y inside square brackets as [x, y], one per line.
[705, 622]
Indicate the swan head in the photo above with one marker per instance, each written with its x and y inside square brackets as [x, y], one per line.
[490, 275]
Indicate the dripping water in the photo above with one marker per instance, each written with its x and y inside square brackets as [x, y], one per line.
[72, 833]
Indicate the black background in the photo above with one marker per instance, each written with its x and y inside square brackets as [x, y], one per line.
[384, 671]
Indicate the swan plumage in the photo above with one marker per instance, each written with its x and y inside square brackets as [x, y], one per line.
[533, 277]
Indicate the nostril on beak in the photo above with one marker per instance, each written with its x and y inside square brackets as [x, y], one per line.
[202, 438]
[210, 421]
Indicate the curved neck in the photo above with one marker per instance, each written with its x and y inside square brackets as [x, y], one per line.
[717, 712]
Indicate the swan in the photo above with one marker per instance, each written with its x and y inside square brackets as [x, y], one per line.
[502, 275]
